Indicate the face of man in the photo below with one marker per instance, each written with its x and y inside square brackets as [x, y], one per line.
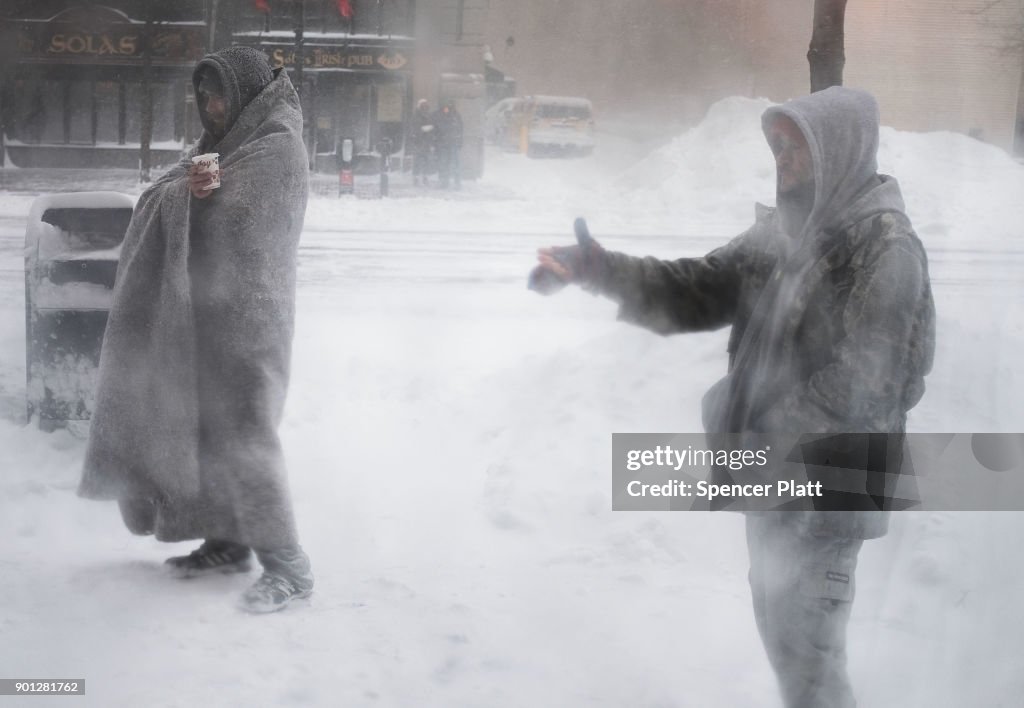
[793, 165]
[216, 109]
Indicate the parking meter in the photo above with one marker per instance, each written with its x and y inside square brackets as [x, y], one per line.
[346, 158]
[385, 165]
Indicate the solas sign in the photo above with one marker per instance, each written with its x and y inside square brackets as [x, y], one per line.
[66, 42]
[92, 44]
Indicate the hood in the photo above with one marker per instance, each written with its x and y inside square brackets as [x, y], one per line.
[242, 72]
[841, 128]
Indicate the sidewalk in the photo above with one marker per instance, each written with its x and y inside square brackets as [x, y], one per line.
[47, 180]
[40, 180]
[400, 186]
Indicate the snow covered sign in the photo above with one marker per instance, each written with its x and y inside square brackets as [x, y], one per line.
[72, 244]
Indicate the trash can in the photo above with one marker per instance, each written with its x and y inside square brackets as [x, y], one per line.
[72, 244]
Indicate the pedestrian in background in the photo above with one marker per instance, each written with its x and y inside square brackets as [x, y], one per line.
[448, 124]
[421, 142]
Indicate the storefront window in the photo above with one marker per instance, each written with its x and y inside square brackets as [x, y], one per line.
[133, 114]
[390, 111]
[53, 112]
[80, 107]
[26, 120]
[108, 112]
[353, 114]
[163, 112]
[87, 112]
[164, 100]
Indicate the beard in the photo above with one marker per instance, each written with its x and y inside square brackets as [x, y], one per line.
[215, 127]
[794, 207]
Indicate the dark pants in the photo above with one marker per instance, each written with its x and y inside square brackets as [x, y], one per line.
[449, 167]
[803, 587]
[420, 164]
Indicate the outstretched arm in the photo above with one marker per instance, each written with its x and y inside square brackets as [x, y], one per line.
[685, 295]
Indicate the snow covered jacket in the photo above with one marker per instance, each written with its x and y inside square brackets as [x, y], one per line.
[831, 334]
[422, 132]
[449, 127]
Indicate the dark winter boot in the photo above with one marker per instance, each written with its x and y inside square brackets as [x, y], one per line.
[212, 557]
[287, 576]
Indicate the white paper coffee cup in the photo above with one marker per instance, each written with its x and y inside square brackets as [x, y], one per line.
[209, 162]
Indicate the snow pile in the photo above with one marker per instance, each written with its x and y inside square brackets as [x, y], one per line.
[955, 185]
[710, 175]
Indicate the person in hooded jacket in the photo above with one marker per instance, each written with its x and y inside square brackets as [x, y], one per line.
[421, 141]
[196, 355]
[832, 318]
[448, 125]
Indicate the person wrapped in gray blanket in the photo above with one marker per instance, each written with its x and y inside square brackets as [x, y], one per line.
[196, 355]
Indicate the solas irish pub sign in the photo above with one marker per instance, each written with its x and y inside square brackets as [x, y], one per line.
[339, 57]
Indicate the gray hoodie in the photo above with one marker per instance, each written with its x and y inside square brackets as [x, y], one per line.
[841, 129]
[833, 331]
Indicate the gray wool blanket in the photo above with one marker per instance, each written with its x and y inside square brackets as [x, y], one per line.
[195, 361]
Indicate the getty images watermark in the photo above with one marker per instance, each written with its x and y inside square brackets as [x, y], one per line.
[835, 472]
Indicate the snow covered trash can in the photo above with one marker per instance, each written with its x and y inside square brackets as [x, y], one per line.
[72, 245]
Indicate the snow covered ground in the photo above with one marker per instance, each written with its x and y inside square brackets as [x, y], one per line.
[448, 435]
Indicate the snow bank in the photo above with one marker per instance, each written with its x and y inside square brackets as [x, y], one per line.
[955, 185]
[711, 175]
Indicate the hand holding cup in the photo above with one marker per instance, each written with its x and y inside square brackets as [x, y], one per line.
[204, 175]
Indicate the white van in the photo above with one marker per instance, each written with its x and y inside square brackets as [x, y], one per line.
[543, 126]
